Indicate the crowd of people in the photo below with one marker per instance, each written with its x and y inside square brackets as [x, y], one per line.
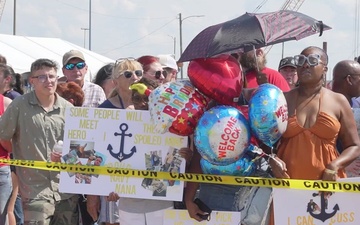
[321, 138]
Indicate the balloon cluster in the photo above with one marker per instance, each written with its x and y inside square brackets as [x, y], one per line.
[221, 133]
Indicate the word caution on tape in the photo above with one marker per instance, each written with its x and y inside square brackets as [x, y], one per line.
[191, 177]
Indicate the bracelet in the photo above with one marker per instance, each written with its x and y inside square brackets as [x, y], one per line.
[333, 172]
[271, 156]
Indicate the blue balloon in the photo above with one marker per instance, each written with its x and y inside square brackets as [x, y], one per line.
[242, 167]
[221, 135]
[268, 114]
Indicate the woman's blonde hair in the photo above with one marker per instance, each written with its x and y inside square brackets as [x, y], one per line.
[123, 65]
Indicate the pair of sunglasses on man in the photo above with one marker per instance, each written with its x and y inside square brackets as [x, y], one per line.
[71, 66]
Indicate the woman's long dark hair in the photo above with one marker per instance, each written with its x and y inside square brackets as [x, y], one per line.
[16, 82]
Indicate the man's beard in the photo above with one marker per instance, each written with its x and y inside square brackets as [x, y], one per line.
[249, 62]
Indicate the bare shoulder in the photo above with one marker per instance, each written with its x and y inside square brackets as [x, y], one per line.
[7, 102]
[336, 103]
[330, 95]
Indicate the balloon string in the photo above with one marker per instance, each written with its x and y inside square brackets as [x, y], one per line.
[261, 153]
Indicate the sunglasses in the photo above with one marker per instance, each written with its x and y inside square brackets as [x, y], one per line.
[129, 74]
[71, 66]
[137, 99]
[43, 78]
[312, 60]
[158, 74]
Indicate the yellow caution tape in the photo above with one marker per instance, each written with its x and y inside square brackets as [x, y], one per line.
[191, 177]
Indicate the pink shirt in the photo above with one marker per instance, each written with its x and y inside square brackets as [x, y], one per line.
[3, 153]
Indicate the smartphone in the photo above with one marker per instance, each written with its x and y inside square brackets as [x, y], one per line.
[203, 208]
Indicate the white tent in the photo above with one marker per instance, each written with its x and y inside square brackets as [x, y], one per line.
[21, 51]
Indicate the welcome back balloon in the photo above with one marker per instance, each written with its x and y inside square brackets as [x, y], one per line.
[268, 113]
[222, 134]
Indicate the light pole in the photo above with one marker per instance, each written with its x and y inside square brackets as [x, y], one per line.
[180, 25]
[14, 22]
[174, 39]
[90, 25]
[84, 29]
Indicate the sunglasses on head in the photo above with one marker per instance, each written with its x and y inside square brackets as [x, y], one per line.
[120, 60]
[158, 74]
[71, 66]
[312, 60]
[129, 74]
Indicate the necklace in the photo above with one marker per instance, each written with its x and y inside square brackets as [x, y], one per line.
[121, 102]
[306, 101]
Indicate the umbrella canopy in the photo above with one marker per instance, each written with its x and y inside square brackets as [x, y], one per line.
[252, 30]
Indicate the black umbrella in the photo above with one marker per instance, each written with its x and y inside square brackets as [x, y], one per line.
[252, 30]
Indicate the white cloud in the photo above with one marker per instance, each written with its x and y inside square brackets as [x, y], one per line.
[128, 5]
[141, 23]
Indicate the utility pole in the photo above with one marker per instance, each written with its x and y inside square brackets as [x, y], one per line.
[84, 29]
[174, 40]
[325, 50]
[180, 26]
[14, 22]
[90, 29]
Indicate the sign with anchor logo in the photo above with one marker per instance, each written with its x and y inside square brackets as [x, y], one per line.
[301, 207]
[123, 139]
[121, 155]
[320, 212]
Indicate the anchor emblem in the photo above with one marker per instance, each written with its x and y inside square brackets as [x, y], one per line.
[323, 215]
[121, 155]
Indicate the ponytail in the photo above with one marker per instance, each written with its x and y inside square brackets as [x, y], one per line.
[18, 84]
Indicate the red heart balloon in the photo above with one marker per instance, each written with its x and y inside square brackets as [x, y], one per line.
[218, 78]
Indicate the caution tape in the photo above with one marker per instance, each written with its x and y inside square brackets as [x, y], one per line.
[191, 177]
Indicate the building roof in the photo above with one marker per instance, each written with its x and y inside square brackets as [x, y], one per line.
[21, 51]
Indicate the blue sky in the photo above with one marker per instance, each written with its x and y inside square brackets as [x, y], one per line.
[124, 28]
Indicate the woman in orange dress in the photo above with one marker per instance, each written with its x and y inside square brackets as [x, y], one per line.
[317, 118]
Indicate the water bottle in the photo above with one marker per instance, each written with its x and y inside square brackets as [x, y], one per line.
[58, 147]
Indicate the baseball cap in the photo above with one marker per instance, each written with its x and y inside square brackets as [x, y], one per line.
[288, 61]
[72, 54]
[168, 61]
